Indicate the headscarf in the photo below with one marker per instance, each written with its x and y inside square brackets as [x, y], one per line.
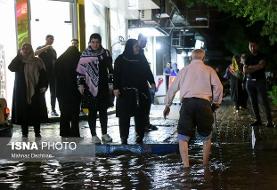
[128, 51]
[32, 67]
[89, 67]
[235, 64]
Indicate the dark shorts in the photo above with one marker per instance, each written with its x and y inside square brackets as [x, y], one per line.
[195, 114]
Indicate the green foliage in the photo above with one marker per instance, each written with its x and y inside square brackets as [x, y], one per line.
[273, 94]
[253, 10]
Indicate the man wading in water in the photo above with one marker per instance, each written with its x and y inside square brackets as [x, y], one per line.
[199, 85]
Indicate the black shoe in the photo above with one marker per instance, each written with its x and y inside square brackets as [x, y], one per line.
[124, 141]
[270, 125]
[139, 140]
[54, 113]
[256, 123]
[153, 127]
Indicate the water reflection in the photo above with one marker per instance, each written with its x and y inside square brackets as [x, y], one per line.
[240, 168]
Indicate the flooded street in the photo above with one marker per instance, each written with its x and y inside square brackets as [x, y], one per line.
[233, 163]
[241, 169]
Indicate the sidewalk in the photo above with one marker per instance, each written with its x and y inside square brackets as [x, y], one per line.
[166, 128]
[233, 126]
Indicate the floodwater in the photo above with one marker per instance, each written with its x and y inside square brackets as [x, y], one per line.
[233, 164]
[236, 167]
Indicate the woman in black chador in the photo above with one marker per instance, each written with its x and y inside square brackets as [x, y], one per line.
[131, 87]
[67, 92]
[30, 84]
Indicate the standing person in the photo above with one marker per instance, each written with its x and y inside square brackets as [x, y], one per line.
[93, 69]
[75, 42]
[244, 91]
[174, 70]
[167, 71]
[199, 85]
[131, 77]
[142, 41]
[49, 56]
[30, 84]
[67, 91]
[235, 74]
[254, 70]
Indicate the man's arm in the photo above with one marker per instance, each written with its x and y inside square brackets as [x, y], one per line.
[217, 89]
[40, 50]
[248, 69]
[171, 93]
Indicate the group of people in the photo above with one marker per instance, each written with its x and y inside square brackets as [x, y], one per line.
[86, 76]
[247, 79]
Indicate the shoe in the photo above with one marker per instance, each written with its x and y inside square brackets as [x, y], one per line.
[124, 141]
[54, 113]
[106, 138]
[153, 127]
[256, 123]
[95, 140]
[270, 125]
[139, 140]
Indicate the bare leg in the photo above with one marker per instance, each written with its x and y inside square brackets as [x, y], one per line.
[183, 148]
[206, 152]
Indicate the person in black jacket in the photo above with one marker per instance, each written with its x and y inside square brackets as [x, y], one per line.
[131, 77]
[49, 56]
[30, 84]
[254, 70]
[142, 40]
[68, 95]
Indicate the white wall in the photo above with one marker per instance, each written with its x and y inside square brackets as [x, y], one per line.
[118, 31]
[95, 20]
[8, 44]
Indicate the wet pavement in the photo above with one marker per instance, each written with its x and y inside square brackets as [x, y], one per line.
[233, 163]
[232, 126]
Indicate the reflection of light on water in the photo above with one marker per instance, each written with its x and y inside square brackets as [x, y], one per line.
[147, 171]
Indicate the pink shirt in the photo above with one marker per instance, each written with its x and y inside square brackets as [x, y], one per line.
[196, 80]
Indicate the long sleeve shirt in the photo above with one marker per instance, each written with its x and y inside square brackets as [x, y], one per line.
[196, 80]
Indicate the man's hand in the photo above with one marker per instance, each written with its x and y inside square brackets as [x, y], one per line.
[214, 107]
[81, 89]
[116, 93]
[166, 111]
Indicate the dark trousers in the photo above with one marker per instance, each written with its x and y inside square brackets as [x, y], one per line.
[25, 129]
[92, 115]
[30, 119]
[140, 122]
[52, 86]
[69, 119]
[148, 107]
[238, 94]
[255, 89]
[195, 113]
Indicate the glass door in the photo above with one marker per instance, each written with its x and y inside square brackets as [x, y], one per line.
[51, 17]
